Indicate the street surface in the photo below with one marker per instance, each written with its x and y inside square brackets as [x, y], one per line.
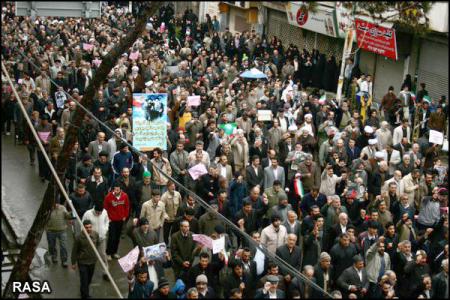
[22, 193]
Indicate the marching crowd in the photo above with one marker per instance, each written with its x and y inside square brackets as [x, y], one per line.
[351, 194]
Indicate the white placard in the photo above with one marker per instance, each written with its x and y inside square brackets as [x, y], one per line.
[436, 137]
[218, 245]
[264, 115]
[445, 145]
[193, 100]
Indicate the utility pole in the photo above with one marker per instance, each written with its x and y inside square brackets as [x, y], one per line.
[345, 54]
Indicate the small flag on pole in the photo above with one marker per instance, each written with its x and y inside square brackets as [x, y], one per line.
[298, 186]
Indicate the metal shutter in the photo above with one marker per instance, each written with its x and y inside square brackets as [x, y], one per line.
[278, 25]
[433, 68]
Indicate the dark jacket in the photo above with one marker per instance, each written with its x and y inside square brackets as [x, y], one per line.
[252, 179]
[142, 239]
[233, 282]
[182, 250]
[318, 275]
[293, 258]
[211, 272]
[81, 203]
[342, 258]
[97, 191]
[350, 277]
[439, 285]
[82, 252]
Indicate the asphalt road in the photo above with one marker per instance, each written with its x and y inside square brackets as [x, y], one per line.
[22, 193]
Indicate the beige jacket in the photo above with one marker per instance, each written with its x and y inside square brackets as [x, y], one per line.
[407, 186]
[158, 178]
[154, 214]
[272, 239]
[172, 203]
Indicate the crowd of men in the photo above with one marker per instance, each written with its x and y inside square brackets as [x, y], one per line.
[350, 194]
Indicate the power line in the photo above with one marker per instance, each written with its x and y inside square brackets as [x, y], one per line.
[203, 203]
[58, 181]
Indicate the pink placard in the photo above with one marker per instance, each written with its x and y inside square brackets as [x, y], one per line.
[203, 240]
[134, 55]
[87, 47]
[197, 171]
[128, 261]
[43, 135]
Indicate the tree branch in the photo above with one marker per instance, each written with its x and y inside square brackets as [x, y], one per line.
[22, 267]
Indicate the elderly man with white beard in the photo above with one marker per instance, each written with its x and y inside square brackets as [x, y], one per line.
[384, 135]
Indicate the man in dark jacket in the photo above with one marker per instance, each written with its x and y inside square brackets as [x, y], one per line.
[322, 270]
[236, 279]
[105, 166]
[290, 253]
[247, 217]
[81, 200]
[440, 282]
[209, 268]
[128, 185]
[414, 270]
[144, 236]
[97, 186]
[342, 254]
[354, 279]
[84, 256]
[183, 250]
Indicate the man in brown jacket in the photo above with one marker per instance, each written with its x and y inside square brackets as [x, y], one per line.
[437, 120]
[310, 173]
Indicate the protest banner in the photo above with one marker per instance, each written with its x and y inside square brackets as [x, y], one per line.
[150, 121]
[436, 137]
[197, 171]
[193, 100]
[376, 39]
[128, 261]
[203, 240]
[155, 252]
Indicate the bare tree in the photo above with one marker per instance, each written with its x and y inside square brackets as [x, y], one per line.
[22, 267]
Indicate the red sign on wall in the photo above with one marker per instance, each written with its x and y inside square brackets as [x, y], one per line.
[376, 39]
[302, 16]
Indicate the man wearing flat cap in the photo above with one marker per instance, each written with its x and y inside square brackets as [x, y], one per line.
[354, 278]
[270, 289]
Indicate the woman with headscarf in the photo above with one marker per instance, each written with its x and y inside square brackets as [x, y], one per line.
[317, 72]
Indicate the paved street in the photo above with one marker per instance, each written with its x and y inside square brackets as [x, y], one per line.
[22, 193]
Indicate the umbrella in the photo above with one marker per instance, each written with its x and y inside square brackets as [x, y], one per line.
[253, 74]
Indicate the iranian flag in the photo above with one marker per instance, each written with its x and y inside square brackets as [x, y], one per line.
[323, 99]
[298, 187]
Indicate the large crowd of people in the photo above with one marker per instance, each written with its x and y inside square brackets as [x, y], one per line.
[351, 194]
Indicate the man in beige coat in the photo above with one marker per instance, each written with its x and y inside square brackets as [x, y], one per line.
[410, 185]
[154, 211]
[172, 201]
[159, 180]
[239, 147]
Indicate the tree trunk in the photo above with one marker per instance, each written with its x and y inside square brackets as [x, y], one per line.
[21, 268]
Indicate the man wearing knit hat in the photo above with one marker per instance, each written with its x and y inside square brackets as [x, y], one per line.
[163, 291]
[201, 283]
[143, 235]
[323, 272]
